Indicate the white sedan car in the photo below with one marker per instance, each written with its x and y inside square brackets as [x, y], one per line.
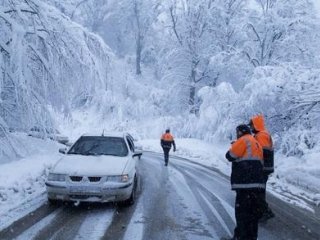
[97, 168]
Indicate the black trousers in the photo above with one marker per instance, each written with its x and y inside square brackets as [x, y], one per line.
[264, 204]
[247, 211]
[166, 154]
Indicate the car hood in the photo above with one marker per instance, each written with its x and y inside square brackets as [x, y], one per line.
[91, 165]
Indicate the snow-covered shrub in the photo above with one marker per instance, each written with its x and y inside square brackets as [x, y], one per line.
[288, 97]
[223, 108]
[302, 125]
[298, 141]
[216, 117]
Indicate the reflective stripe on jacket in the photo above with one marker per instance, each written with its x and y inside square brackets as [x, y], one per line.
[265, 140]
[247, 163]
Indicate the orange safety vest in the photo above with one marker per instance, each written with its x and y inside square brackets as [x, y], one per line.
[246, 148]
[167, 137]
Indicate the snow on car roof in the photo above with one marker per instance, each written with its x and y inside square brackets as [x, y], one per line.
[106, 134]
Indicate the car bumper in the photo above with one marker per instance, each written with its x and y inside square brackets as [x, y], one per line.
[96, 193]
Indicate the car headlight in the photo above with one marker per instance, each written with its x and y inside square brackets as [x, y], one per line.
[56, 177]
[118, 178]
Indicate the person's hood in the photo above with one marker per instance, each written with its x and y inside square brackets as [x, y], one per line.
[258, 123]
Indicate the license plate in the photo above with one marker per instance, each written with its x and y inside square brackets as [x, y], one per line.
[85, 189]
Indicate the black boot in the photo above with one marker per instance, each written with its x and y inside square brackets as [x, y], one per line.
[267, 215]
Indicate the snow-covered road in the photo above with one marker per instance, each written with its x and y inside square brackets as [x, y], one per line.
[182, 201]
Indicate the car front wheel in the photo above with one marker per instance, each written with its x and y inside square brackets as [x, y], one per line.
[131, 200]
[53, 201]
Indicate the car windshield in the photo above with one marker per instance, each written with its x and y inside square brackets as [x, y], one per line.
[90, 145]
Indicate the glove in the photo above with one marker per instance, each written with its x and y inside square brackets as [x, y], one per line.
[174, 149]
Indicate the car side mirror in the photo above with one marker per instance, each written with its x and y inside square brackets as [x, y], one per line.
[137, 155]
[63, 150]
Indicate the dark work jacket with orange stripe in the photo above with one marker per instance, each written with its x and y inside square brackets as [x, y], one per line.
[247, 165]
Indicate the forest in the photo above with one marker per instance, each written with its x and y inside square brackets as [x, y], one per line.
[199, 67]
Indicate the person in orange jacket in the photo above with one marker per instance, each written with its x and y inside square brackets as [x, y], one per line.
[265, 140]
[166, 142]
[246, 156]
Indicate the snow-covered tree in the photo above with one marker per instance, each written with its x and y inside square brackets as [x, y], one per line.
[189, 55]
[258, 54]
[280, 31]
[45, 60]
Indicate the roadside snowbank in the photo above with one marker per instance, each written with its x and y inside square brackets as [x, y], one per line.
[23, 179]
[299, 175]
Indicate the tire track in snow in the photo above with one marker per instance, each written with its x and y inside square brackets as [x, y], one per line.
[95, 224]
[122, 217]
[218, 216]
[213, 209]
[86, 221]
[174, 213]
[31, 233]
[26, 222]
[198, 224]
[159, 213]
[135, 228]
[215, 200]
[218, 203]
[65, 225]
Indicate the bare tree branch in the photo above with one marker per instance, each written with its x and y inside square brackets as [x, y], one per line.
[174, 25]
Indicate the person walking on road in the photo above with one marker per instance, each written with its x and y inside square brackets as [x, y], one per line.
[166, 142]
[264, 138]
[246, 157]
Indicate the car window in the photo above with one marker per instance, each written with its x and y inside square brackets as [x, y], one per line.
[130, 136]
[131, 144]
[90, 145]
